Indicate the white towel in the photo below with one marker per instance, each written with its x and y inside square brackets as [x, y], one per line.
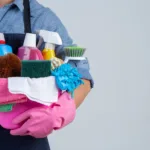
[40, 90]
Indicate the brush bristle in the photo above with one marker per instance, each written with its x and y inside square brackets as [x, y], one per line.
[74, 51]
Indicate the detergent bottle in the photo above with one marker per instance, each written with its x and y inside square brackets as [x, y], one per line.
[29, 51]
[51, 39]
[4, 48]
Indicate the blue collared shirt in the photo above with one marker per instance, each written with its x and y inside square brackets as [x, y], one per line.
[11, 21]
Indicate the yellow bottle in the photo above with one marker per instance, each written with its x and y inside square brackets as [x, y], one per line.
[48, 52]
[51, 39]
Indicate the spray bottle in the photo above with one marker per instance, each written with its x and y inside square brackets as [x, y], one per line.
[4, 48]
[51, 39]
[29, 51]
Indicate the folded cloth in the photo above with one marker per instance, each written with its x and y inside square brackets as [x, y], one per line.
[40, 90]
[41, 121]
[15, 101]
[6, 97]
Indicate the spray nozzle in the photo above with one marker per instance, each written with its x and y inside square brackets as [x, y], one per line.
[49, 37]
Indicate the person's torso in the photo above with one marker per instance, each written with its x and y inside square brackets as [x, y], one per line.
[11, 17]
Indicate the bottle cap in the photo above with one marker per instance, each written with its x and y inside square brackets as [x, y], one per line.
[30, 40]
[2, 39]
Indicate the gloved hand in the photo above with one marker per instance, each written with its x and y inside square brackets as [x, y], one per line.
[41, 121]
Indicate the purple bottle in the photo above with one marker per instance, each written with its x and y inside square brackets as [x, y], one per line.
[29, 51]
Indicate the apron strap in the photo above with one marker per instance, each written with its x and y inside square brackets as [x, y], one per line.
[27, 20]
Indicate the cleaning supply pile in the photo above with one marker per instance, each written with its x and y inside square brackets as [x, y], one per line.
[35, 78]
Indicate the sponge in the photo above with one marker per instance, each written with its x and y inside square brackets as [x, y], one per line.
[6, 108]
[36, 68]
[10, 66]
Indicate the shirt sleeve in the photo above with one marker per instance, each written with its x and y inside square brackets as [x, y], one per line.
[53, 23]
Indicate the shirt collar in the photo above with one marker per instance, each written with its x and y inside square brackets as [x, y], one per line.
[19, 4]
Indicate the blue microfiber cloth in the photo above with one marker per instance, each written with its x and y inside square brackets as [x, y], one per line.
[67, 78]
[36, 68]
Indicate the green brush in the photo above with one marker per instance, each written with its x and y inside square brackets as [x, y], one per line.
[36, 68]
[6, 108]
[74, 53]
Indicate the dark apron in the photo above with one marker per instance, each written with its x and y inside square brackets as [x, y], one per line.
[8, 142]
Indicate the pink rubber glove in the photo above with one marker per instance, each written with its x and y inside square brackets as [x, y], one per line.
[7, 117]
[41, 121]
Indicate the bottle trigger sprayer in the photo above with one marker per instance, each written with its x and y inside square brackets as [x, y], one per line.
[51, 39]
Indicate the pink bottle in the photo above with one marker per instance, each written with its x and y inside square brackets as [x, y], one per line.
[29, 51]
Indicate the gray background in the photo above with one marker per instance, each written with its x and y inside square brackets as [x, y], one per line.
[115, 116]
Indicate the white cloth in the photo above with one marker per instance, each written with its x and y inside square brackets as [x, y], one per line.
[40, 90]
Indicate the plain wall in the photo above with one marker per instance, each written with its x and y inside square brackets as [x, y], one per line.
[116, 114]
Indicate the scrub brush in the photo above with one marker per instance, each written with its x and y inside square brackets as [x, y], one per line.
[74, 53]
